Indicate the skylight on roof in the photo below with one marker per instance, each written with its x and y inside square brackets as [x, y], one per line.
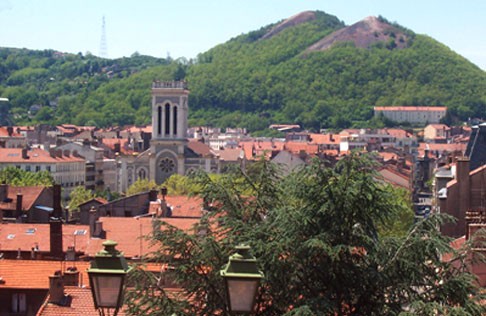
[30, 231]
[10, 236]
[79, 232]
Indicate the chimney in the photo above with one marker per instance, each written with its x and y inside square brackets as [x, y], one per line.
[153, 195]
[55, 234]
[71, 276]
[71, 254]
[24, 153]
[56, 201]
[18, 208]
[3, 191]
[98, 230]
[10, 131]
[56, 288]
[462, 178]
[92, 221]
[117, 147]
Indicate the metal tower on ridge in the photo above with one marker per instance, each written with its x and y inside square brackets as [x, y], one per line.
[103, 46]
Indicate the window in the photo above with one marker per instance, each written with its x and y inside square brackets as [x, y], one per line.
[80, 232]
[37, 168]
[142, 174]
[19, 303]
[167, 165]
[175, 121]
[159, 120]
[167, 119]
[30, 231]
[48, 168]
[27, 168]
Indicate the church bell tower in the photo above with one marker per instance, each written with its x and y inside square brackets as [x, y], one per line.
[169, 129]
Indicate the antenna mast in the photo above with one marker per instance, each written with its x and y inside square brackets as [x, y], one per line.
[103, 47]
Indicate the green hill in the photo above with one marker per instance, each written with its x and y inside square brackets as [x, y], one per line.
[310, 69]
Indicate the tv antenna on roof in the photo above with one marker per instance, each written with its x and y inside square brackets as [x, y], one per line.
[103, 46]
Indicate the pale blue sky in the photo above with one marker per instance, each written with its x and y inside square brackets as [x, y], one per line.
[186, 28]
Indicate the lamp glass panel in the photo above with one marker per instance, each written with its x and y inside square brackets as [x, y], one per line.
[107, 289]
[242, 294]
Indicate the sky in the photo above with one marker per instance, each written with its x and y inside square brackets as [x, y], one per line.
[186, 28]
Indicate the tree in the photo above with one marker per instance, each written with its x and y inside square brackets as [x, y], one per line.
[19, 177]
[180, 185]
[316, 237]
[78, 196]
[141, 185]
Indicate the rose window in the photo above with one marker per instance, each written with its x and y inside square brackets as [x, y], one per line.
[167, 165]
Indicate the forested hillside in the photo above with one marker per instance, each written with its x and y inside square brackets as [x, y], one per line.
[309, 69]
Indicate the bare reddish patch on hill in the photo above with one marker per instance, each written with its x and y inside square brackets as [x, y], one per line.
[363, 34]
[297, 19]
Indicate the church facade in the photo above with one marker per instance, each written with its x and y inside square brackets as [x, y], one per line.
[170, 149]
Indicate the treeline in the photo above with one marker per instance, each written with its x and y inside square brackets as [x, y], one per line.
[251, 81]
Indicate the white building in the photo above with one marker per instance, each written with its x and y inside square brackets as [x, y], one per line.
[67, 170]
[412, 114]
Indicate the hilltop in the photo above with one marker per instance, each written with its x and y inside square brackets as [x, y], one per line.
[310, 69]
[364, 34]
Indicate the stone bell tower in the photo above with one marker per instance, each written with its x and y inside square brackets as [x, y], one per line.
[169, 129]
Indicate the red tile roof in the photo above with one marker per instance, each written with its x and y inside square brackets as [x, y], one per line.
[441, 147]
[34, 274]
[135, 129]
[126, 231]
[81, 304]
[25, 236]
[185, 206]
[325, 138]
[230, 154]
[82, 299]
[30, 194]
[4, 132]
[200, 148]
[297, 147]
[35, 155]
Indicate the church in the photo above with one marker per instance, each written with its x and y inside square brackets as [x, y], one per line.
[170, 152]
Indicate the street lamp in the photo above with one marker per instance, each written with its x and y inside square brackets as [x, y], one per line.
[107, 277]
[242, 279]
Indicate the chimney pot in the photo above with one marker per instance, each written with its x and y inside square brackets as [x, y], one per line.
[56, 288]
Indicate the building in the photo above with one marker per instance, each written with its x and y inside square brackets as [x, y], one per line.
[170, 150]
[467, 192]
[25, 204]
[376, 140]
[437, 133]
[412, 114]
[476, 147]
[94, 163]
[67, 169]
[9, 138]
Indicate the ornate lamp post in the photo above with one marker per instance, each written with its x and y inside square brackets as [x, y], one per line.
[242, 279]
[107, 277]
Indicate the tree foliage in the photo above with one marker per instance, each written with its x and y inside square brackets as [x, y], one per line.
[142, 185]
[18, 177]
[78, 196]
[315, 233]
